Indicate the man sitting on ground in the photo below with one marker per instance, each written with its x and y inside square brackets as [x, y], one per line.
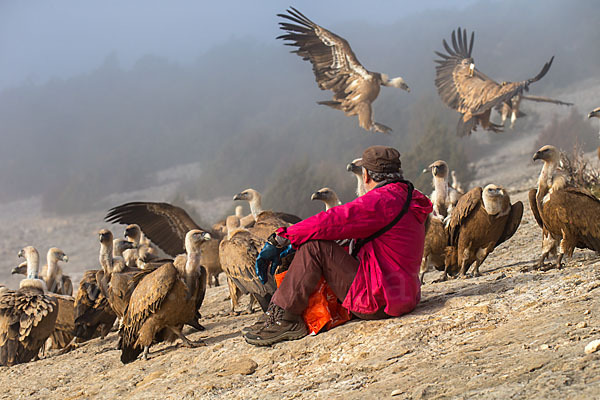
[380, 279]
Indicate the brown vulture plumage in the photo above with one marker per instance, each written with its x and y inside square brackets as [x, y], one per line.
[567, 215]
[166, 226]
[164, 300]
[511, 108]
[336, 68]
[93, 314]
[27, 315]
[481, 220]
[465, 89]
[436, 240]
[238, 254]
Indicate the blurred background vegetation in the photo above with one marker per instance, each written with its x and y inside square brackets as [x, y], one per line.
[247, 112]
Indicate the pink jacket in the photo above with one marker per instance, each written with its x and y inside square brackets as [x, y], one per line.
[389, 265]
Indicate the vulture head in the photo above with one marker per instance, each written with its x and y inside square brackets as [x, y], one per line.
[395, 82]
[547, 153]
[193, 240]
[355, 169]
[105, 236]
[20, 269]
[494, 200]
[253, 198]
[133, 232]
[327, 196]
[439, 169]
[594, 113]
[56, 254]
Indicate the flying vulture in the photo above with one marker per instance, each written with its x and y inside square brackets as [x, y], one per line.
[164, 300]
[336, 68]
[465, 89]
[481, 221]
[568, 215]
[27, 315]
[166, 226]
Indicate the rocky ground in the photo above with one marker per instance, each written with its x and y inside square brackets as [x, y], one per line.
[514, 332]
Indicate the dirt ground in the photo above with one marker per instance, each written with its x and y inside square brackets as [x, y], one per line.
[512, 333]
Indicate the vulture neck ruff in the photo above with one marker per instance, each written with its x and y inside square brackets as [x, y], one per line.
[106, 256]
[33, 266]
[493, 204]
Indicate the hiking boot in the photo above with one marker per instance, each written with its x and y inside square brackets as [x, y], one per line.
[281, 325]
[258, 325]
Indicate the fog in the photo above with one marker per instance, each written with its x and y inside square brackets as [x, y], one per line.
[98, 97]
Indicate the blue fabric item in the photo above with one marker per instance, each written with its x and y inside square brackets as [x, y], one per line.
[284, 252]
[268, 256]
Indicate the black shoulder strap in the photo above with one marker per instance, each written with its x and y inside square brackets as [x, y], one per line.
[361, 242]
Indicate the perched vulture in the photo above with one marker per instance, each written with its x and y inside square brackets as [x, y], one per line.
[52, 273]
[336, 68]
[27, 315]
[444, 197]
[357, 171]
[238, 254]
[456, 185]
[164, 300]
[327, 196]
[436, 239]
[465, 89]
[143, 248]
[481, 220]
[266, 222]
[93, 314]
[114, 277]
[166, 226]
[566, 214]
[512, 107]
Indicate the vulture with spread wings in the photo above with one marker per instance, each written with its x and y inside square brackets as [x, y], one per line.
[164, 224]
[336, 68]
[465, 89]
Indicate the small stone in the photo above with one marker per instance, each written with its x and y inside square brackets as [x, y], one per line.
[592, 346]
[586, 312]
[397, 392]
[568, 324]
[544, 347]
[582, 324]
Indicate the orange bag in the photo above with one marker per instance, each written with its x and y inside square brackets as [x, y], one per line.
[323, 310]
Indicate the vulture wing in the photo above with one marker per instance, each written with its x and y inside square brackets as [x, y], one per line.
[465, 206]
[237, 256]
[64, 327]
[472, 94]
[534, 208]
[163, 223]
[512, 223]
[541, 99]
[91, 307]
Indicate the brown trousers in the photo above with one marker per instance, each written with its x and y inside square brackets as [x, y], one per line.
[312, 260]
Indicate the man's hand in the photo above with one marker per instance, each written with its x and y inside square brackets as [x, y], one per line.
[270, 256]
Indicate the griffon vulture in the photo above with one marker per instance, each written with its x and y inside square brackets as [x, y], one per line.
[511, 107]
[465, 89]
[266, 221]
[456, 185]
[444, 197]
[436, 240]
[357, 171]
[93, 314]
[327, 196]
[481, 220]
[238, 254]
[336, 68]
[164, 299]
[27, 315]
[566, 214]
[166, 226]
[52, 273]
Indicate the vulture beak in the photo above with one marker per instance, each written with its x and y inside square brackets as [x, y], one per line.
[537, 156]
[240, 196]
[205, 236]
[355, 169]
[21, 253]
[594, 114]
[65, 258]
[316, 196]
[16, 270]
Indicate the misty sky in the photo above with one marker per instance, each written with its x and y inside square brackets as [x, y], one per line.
[40, 40]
